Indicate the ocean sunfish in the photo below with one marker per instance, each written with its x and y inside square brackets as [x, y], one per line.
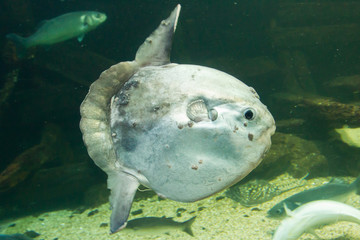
[185, 131]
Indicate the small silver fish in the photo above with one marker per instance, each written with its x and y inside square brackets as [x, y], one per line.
[331, 191]
[59, 29]
[154, 225]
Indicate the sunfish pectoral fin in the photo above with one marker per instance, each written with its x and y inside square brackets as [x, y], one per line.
[123, 187]
[155, 51]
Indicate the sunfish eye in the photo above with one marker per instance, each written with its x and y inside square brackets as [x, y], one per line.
[249, 114]
[98, 15]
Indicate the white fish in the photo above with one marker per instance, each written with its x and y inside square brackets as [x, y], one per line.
[313, 214]
[59, 29]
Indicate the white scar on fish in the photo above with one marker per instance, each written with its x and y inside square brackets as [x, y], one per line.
[314, 214]
[59, 29]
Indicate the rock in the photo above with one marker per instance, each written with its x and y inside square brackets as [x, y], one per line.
[31, 234]
[298, 158]
[316, 108]
[96, 195]
[33, 158]
[344, 87]
[93, 212]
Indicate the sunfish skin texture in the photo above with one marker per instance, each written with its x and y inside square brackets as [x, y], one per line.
[332, 191]
[313, 214]
[59, 29]
[178, 158]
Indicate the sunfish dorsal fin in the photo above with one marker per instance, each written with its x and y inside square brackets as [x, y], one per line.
[156, 49]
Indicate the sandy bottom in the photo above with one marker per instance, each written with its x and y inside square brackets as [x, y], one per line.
[217, 217]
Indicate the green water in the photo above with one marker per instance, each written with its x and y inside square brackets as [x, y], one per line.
[302, 57]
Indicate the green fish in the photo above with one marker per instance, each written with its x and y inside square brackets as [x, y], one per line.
[59, 29]
[155, 225]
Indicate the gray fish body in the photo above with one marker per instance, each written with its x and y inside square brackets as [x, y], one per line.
[332, 191]
[154, 225]
[61, 28]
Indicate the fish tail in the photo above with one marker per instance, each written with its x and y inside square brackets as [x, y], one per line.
[356, 185]
[20, 44]
[187, 226]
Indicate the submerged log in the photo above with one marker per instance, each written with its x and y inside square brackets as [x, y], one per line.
[349, 82]
[7, 89]
[33, 158]
[327, 110]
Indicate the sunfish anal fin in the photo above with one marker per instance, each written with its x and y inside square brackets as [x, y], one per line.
[155, 51]
[123, 187]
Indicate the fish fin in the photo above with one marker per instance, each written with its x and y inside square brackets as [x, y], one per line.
[123, 187]
[356, 185]
[187, 226]
[155, 51]
[20, 44]
[88, 21]
[288, 212]
[81, 37]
